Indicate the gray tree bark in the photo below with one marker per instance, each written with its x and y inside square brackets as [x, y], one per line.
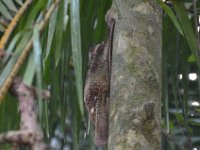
[135, 105]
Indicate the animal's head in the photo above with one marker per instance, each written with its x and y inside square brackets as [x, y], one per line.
[95, 53]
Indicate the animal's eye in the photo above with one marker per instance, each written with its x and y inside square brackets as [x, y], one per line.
[96, 51]
[100, 48]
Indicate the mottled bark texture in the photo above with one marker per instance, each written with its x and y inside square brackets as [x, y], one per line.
[135, 113]
[30, 133]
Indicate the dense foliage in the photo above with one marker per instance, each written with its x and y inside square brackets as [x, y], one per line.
[181, 78]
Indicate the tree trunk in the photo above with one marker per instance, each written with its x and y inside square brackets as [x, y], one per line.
[135, 105]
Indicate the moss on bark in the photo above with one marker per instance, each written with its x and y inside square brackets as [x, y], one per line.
[136, 76]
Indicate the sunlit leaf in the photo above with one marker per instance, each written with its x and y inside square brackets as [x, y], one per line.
[191, 58]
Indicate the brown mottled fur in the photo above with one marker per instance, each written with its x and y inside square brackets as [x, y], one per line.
[97, 86]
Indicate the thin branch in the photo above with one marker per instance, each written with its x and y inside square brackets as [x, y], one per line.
[13, 23]
[30, 132]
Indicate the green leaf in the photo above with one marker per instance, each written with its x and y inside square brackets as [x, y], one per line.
[2, 28]
[187, 28]
[179, 118]
[11, 47]
[58, 38]
[194, 123]
[9, 66]
[4, 11]
[76, 51]
[34, 12]
[10, 5]
[19, 2]
[14, 42]
[171, 125]
[30, 70]
[197, 109]
[171, 15]
[37, 60]
[191, 58]
[51, 31]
